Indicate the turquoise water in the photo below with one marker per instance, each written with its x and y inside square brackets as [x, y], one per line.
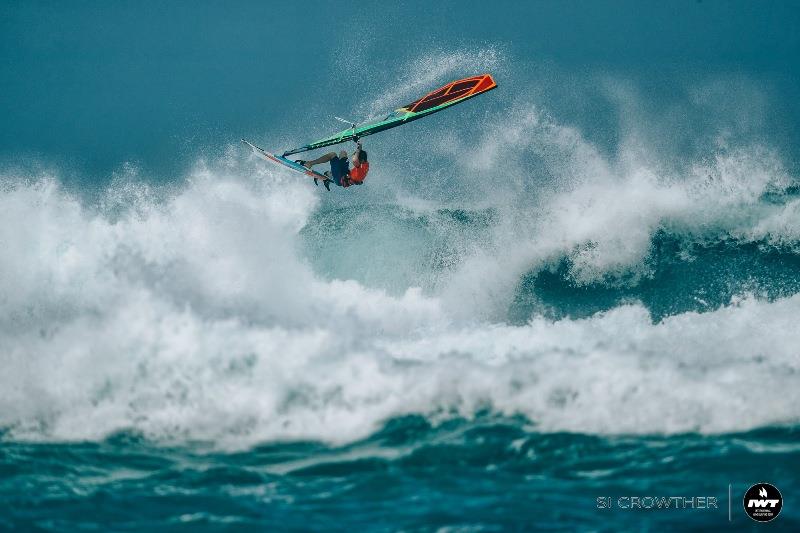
[584, 284]
[486, 474]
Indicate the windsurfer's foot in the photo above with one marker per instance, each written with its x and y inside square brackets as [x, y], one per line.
[304, 163]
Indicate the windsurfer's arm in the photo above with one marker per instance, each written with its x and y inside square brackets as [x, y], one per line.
[355, 159]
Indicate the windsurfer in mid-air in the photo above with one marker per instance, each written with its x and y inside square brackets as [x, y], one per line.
[340, 173]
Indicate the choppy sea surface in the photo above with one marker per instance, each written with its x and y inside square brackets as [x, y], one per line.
[582, 287]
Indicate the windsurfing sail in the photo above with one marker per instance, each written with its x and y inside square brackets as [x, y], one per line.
[451, 94]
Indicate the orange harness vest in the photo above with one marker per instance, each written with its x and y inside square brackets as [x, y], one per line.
[357, 174]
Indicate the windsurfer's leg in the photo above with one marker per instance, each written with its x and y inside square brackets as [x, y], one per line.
[322, 159]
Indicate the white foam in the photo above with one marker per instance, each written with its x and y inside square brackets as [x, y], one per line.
[193, 317]
[602, 213]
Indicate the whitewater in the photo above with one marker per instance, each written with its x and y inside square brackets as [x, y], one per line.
[193, 311]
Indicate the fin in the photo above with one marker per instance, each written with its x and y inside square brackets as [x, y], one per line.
[327, 184]
[316, 182]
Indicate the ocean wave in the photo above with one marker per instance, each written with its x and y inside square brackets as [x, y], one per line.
[198, 317]
[602, 213]
[513, 267]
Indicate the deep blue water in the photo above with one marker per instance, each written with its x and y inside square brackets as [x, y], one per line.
[488, 475]
[584, 284]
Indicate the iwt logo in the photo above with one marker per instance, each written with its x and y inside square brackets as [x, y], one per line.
[763, 502]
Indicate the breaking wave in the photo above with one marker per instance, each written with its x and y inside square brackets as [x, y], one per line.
[586, 291]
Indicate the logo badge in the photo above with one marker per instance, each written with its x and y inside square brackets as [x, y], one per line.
[763, 502]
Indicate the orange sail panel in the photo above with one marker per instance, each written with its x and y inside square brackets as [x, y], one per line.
[450, 93]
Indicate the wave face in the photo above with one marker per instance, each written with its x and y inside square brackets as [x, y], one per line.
[583, 282]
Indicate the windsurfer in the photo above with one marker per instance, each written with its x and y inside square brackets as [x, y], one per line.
[340, 173]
